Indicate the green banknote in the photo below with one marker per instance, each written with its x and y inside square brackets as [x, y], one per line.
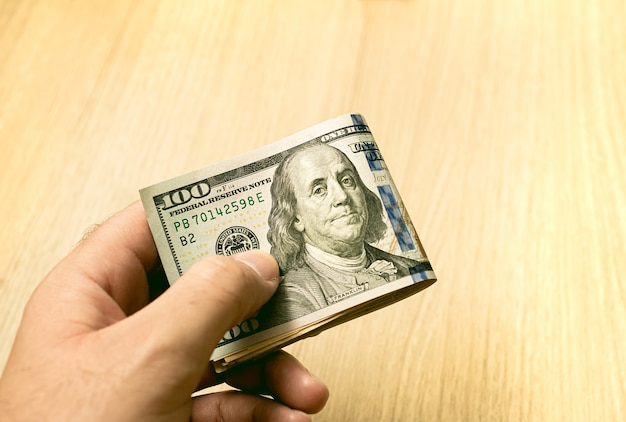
[323, 203]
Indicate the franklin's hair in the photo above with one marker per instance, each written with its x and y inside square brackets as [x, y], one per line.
[287, 242]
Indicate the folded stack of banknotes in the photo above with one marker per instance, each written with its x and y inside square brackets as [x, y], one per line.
[323, 203]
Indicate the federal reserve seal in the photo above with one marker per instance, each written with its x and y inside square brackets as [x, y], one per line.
[236, 239]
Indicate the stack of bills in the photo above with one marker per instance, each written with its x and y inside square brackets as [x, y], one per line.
[323, 203]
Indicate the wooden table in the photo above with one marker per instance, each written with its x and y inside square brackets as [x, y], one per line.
[504, 124]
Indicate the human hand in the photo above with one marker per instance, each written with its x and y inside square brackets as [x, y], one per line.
[90, 347]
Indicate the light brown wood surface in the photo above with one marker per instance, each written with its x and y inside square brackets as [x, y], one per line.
[504, 125]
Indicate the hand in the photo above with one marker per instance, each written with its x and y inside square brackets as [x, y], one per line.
[90, 347]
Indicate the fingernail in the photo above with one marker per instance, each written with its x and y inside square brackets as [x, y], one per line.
[262, 262]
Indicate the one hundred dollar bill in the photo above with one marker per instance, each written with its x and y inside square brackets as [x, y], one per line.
[323, 203]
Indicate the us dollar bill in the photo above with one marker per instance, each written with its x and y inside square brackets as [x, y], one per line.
[323, 203]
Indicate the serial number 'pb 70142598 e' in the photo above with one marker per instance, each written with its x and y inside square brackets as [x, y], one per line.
[219, 211]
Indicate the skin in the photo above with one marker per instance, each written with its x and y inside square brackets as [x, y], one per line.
[331, 211]
[90, 347]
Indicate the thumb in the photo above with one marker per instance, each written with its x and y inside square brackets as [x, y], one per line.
[214, 295]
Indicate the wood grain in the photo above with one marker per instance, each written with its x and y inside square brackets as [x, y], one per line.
[504, 124]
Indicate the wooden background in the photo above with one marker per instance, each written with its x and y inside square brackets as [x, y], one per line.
[504, 125]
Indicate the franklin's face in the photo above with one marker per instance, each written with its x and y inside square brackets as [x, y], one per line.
[331, 211]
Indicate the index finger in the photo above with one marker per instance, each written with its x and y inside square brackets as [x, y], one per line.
[283, 377]
[116, 256]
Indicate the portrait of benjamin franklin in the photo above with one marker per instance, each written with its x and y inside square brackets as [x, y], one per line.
[321, 226]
